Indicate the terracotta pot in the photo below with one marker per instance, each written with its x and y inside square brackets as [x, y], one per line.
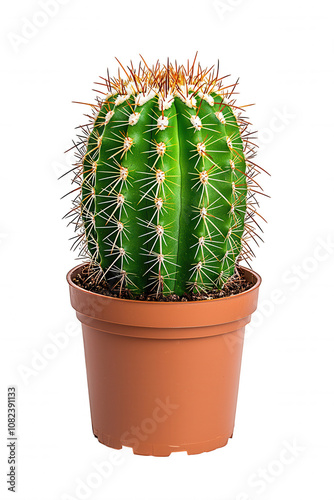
[163, 376]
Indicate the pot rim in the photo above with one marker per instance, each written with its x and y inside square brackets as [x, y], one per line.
[256, 285]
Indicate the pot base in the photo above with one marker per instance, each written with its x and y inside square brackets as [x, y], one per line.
[156, 450]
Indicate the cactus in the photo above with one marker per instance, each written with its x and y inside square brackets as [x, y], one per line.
[166, 181]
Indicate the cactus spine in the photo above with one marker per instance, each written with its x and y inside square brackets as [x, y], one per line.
[166, 181]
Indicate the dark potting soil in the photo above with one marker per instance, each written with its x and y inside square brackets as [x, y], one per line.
[236, 284]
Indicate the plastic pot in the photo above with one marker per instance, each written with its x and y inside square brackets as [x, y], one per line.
[163, 376]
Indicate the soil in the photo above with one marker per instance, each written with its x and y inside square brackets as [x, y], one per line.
[236, 284]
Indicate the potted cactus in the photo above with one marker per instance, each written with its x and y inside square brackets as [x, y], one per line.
[165, 204]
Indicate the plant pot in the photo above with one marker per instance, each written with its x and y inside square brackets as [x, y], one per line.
[163, 376]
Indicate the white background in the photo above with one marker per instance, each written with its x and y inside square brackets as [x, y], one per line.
[283, 52]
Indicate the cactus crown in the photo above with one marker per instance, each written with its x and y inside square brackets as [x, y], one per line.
[165, 180]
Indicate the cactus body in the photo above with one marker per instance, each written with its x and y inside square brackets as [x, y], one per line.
[164, 182]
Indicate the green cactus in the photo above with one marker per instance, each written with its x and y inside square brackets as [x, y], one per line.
[166, 181]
